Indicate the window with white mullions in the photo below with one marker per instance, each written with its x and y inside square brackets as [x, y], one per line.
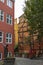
[9, 38]
[9, 19]
[9, 3]
[1, 15]
[1, 37]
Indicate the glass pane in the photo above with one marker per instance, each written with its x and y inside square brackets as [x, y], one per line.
[1, 12]
[7, 20]
[6, 35]
[10, 17]
[0, 33]
[9, 35]
[0, 55]
[6, 40]
[10, 22]
[10, 4]
[9, 40]
[0, 39]
[1, 15]
[1, 18]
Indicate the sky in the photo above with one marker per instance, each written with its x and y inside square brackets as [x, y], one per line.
[19, 4]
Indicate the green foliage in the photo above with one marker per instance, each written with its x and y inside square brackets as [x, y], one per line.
[33, 11]
[1, 62]
[16, 46]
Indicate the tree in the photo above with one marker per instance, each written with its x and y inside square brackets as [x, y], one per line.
[33, 12]
[16, 48]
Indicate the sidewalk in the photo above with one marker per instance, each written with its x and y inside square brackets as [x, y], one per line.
[38, 58]
[27, 61]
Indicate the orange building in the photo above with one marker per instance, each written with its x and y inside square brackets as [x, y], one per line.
[27, 41]
[16, 31]
[23, 35]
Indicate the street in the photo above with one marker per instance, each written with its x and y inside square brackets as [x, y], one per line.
[25, 61]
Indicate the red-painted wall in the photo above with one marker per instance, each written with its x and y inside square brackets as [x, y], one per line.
[4, 27]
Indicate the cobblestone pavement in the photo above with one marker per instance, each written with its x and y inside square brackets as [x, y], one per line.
[25, 61]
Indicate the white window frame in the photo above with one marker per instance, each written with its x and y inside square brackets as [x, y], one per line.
[1, 15]
[1, 37]
[2, 1]
[1, 56]
[9, 19]
[8, 38]
[9, 3]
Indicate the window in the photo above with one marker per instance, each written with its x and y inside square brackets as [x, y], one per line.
[9, 3]
[9, 19]
[8, 38]
[0, 56]
[1, 15]
[2, 1]
[1, 37]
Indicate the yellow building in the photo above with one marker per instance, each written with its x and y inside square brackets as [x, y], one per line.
[16, 32]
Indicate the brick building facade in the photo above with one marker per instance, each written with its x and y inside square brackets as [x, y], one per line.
[6, 26]
[23, 35]
[27, 41]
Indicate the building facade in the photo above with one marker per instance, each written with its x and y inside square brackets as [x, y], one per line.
[28, 41]
[16, 35]
[23, 35]
[6, 26]
[16, 32]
